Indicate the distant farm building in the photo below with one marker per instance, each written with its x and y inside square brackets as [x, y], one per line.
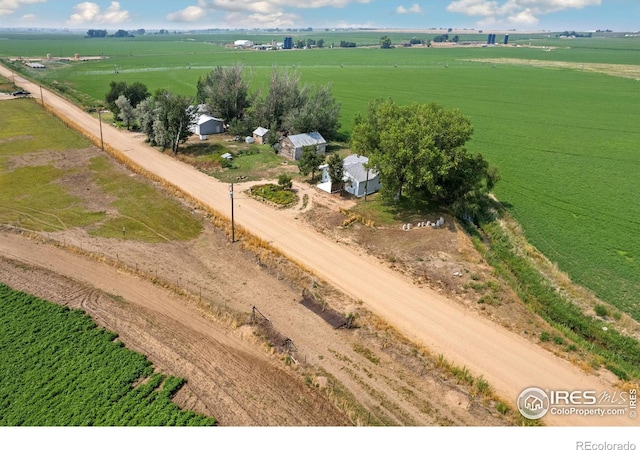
[206, 125]
[357, 179]
[260, 135]
[243, 43]
[291, 146]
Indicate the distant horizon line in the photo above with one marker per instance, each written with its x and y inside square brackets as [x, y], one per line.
[304, 29]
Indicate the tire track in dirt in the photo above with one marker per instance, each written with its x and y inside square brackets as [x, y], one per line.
[227, 377]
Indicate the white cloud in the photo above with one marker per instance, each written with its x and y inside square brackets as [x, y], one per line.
[264, 6]
[28, 17]
[524, 17]
[275, 19]
[189, 14]
[266, 13]
[89, 12]
[413, 9]
[11, 6]
[518, 12]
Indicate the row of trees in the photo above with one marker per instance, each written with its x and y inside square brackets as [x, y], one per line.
[164, 117]
[287, 107]
[301, 43]
[103, 33]
[96, 33]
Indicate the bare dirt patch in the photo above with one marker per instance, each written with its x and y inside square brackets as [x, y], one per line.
[445, 260]
[64, 160]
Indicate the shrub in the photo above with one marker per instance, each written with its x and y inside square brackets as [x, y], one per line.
[482, 386]
[544, 336]
[502, 408]
[601, 310]
[274, 194]
[284, 181]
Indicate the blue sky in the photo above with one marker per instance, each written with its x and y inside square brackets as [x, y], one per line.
[521, 15]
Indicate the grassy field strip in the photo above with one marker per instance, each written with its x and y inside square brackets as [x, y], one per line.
[30, 198]
[35, 198]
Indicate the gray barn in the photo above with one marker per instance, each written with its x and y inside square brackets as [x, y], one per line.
[206, 125]
[291, 146]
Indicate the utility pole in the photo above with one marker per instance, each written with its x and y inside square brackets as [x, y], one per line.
[41, 96]
[366, 184]
[100, 120]
[233, 228]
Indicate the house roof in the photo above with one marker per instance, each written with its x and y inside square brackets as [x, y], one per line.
[354, 168]
[302, 140]
[260, 131]
[204, 118]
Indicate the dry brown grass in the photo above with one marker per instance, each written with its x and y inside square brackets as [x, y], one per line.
[616, 70]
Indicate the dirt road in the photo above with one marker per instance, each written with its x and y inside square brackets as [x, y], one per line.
[507, 361]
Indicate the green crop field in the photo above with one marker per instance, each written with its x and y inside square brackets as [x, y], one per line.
[565, 139]
[59, 369]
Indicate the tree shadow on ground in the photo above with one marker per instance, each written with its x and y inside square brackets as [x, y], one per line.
[201, 149]
[409, 210]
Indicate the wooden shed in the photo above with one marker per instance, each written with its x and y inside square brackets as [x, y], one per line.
[260, 135]
[291, 146]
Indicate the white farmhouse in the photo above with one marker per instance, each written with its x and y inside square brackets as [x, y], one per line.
[358, 181]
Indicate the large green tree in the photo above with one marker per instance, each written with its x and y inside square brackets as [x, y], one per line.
[385, 42]
[225, 91]
[284, 96]
[418, 150]
[172, 115]
[310, 160]
[318, 111]
[135, 93]
[336, 171]
[145, 113]
[291, 108]
[127, 112]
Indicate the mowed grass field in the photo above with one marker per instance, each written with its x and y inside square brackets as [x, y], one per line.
[565, 139]
[51, 179]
